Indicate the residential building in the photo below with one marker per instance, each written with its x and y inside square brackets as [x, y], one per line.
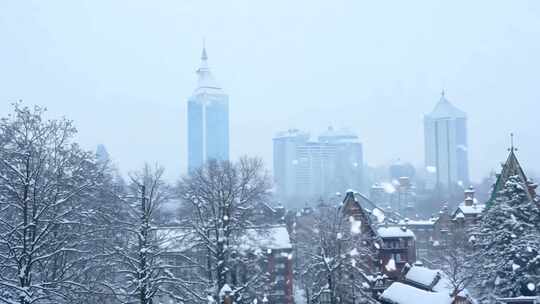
[423, 232]
[445, 141]
[275, 243]
[208, 119]
[397, 249]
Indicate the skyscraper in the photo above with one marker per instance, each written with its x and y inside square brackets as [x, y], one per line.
[208, 119]
[305, 169]
[286, 161]
[445, 135]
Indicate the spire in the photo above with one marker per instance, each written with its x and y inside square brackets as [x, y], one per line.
[206, 82]
[443, 96]
[204, 56]
[512, 148]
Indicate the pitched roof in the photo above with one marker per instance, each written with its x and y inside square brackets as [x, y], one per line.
[394, 232]
[469, 210]
[206, 83]
[400, 293]
[444, 109]
[352, 207]
[276, 237]
[510, 168]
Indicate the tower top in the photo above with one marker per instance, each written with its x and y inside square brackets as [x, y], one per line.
[204, 56]
[445, 110]
[512, 148]
[206, 82]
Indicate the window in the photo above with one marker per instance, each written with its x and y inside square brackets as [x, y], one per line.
[280, 266]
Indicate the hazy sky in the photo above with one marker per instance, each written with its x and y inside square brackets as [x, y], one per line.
[123, 71]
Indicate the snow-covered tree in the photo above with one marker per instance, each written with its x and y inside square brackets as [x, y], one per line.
[507, 243]
[144, 273]
[454, 260]
[47, 186]
[334, 255]
[223, 197]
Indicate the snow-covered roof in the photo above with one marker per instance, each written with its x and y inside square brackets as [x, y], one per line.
[422, 276]
[206, 83]
[267, 238]
[521, 299]
[459, 215]
[292, 133]
[392, 231]
[340, 134]
[400, 293]
[472, 210]
[444, 109]
[429, 222]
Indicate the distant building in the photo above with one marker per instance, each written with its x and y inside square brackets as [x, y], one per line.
[397, 249]
[309, 169]
[400, 169]
[208, 119]
[468, 212]
[445, 140]
[286, 160]
[101, 154]
[270, 246]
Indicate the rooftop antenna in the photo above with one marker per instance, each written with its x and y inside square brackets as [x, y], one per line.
[512, 148]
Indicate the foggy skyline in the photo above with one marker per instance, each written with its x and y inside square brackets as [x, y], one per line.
[123, 71]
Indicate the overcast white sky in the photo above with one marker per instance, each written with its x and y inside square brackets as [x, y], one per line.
[123, 71]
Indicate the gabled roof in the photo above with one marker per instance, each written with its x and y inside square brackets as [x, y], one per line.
[378, 213]
[444, 109]
[464, 210]
[351, 207]
[510, 168]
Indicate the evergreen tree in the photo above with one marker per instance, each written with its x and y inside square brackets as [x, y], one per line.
[507, 243]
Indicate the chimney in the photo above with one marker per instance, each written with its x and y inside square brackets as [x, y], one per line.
[406, 226]
[469, 196]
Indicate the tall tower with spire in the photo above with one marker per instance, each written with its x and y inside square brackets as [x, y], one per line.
[208, 119]
[445, 143]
